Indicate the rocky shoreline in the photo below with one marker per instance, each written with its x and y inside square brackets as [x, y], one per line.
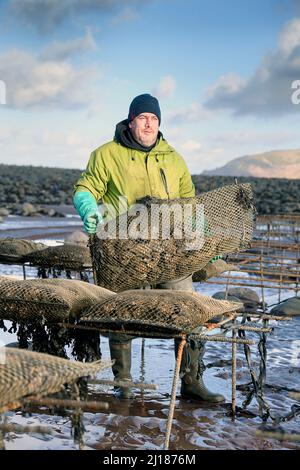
[39, 191]
[271, 195]
[30, 210]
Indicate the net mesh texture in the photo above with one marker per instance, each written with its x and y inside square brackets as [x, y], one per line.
[124, 263]
[66, 257]
[24, 373]
[156, 311]
[50, 300]
[13, 249]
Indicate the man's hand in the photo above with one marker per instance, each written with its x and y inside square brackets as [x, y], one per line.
[87, 208]
[90, 222]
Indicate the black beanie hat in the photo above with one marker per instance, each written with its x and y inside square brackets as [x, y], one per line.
[144, 104]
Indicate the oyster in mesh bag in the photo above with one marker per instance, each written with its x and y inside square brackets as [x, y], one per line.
[156, 311]
[68, 256]
[50, 300]
[26, 373]
[13, 249]
[168, 239]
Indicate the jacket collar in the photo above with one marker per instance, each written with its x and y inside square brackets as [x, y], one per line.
[124, 137]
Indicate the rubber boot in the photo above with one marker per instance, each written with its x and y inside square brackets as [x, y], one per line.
[120, 353]
[191, 371]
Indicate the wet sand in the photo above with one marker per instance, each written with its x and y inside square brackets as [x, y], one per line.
[141, 423]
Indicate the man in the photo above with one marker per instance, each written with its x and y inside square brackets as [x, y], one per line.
[139, 162]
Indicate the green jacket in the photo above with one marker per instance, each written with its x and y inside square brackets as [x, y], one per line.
[115, 170]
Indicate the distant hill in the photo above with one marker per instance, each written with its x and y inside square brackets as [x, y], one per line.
[274, 164]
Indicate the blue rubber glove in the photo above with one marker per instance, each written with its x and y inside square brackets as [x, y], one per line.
[215, 258]
[87, 208]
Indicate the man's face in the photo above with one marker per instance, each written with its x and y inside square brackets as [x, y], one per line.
[144, 129]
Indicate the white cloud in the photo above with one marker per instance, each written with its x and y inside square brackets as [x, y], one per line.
[64, 149]
[128, 14]
[250, 137]
[268, 91]
[43, 14]
[198, 155]
[60, 51]
[46, 15]
[5, 134]
[216, 149]
[289, 38]
[193, 113]
[32, 83]
[191, 146]
[206, 157]
[227, 84]
[165, 88]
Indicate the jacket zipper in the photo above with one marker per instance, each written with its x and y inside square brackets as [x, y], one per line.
[149, 183]
[164, 180]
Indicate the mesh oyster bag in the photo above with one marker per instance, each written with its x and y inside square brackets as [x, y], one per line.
[69, 256]
[156, 311]
[172, 238]
[51, 300]
[26, 373]
[13, 249]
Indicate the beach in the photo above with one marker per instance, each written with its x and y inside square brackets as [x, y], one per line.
[141, 423]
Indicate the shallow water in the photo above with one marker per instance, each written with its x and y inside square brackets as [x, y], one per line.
[38, 227]
[141, 423]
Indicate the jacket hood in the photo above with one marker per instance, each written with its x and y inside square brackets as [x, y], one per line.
[124, 137]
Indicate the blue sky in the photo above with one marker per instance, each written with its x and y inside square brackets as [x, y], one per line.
[221, 70]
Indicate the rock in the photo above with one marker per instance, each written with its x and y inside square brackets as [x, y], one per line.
[28, 209]
[12, 198]
[54, 213]
[245, 295]
[77, 237]
[221, 295]
[50, 212]
[289, 308]
[4, 212]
